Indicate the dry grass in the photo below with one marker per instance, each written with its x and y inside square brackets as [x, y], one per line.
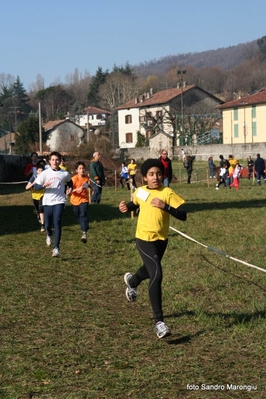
[67, 331]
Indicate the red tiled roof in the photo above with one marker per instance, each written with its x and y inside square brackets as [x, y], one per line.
[51, 124]
[252, 99]
[94, 110]
[160, 97]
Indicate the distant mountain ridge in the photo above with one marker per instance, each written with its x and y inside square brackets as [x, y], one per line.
[226, 58]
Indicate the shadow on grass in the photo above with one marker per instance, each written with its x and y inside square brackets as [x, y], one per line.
[197, 206]
[229, 320]
[233, 274]
[16, 219]
[186, 339]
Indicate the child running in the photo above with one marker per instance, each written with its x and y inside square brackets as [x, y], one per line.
[80, 198]
[53, 181]
[156, 202]
[236, 173]
[37, 196]
[222, 176]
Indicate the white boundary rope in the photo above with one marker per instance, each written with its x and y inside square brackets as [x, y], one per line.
[15, 182]
[217, 251]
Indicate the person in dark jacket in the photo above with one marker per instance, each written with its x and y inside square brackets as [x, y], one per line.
[250, 164]
[97, 177]
[190, 160]
[168, 171]
[259, 167]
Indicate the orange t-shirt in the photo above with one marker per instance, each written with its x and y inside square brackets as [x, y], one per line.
[79, 198]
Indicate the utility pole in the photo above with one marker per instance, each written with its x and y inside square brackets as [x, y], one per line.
[182, 72]
[14, 110]
[40, 128]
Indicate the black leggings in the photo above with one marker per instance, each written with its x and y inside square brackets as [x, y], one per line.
[151, 253]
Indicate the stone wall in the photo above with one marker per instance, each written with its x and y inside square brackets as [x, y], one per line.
[202, 152]
[12, 167]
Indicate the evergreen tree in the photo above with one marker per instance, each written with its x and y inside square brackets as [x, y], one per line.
[96, 82]
[20, 101]
[27, 138]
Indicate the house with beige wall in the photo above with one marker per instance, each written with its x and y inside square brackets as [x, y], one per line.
[244, 119]
[62, 135]
[153, 113]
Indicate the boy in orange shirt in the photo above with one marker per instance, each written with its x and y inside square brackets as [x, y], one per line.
[80, 198]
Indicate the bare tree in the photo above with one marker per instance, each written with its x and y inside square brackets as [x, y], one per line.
[117, 89]
[79, 84]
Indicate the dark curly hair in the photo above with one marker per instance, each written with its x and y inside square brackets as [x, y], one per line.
[150, 163]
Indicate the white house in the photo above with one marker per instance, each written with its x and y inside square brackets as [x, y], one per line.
[95, 116]
[151, 112]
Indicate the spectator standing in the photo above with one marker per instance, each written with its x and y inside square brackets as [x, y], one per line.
[189, 162]
[53, 181]
[183, 155]
[168, 171]
[80, 198]
[259, 167]
[31, 167]
[97, 177]
[250, 164]
[132, 170]
[212, 168]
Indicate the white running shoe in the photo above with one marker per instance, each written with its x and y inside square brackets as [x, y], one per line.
[162, 330]
[84, 237]
[55, 253]
[131, 292]
[48, 240]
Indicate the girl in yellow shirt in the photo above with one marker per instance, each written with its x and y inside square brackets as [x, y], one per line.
[156, 203]
[132, 170]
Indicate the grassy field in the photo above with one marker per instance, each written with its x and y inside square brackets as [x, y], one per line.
[68, 332]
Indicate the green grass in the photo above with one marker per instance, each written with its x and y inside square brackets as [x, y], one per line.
[67, 331]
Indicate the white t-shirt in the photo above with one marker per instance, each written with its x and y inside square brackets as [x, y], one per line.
[55, 193]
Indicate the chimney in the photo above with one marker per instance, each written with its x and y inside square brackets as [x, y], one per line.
[148, 95]
[184, 83]
[136, 100]
[178, 85]
[151, 91]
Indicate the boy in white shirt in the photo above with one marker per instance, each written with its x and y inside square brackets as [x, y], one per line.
[53, 181]
[222, 174]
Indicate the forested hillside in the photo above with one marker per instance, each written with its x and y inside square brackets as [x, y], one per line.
[225, 58]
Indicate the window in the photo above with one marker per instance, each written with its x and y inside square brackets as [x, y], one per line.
[72, 138]
[129, 138]
[128, 119]
[99, 116]
[253, 111]
[149, 133]
[236, 114]
[254, 128]
[235, 130]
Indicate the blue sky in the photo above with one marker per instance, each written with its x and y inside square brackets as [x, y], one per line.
[52, 38]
